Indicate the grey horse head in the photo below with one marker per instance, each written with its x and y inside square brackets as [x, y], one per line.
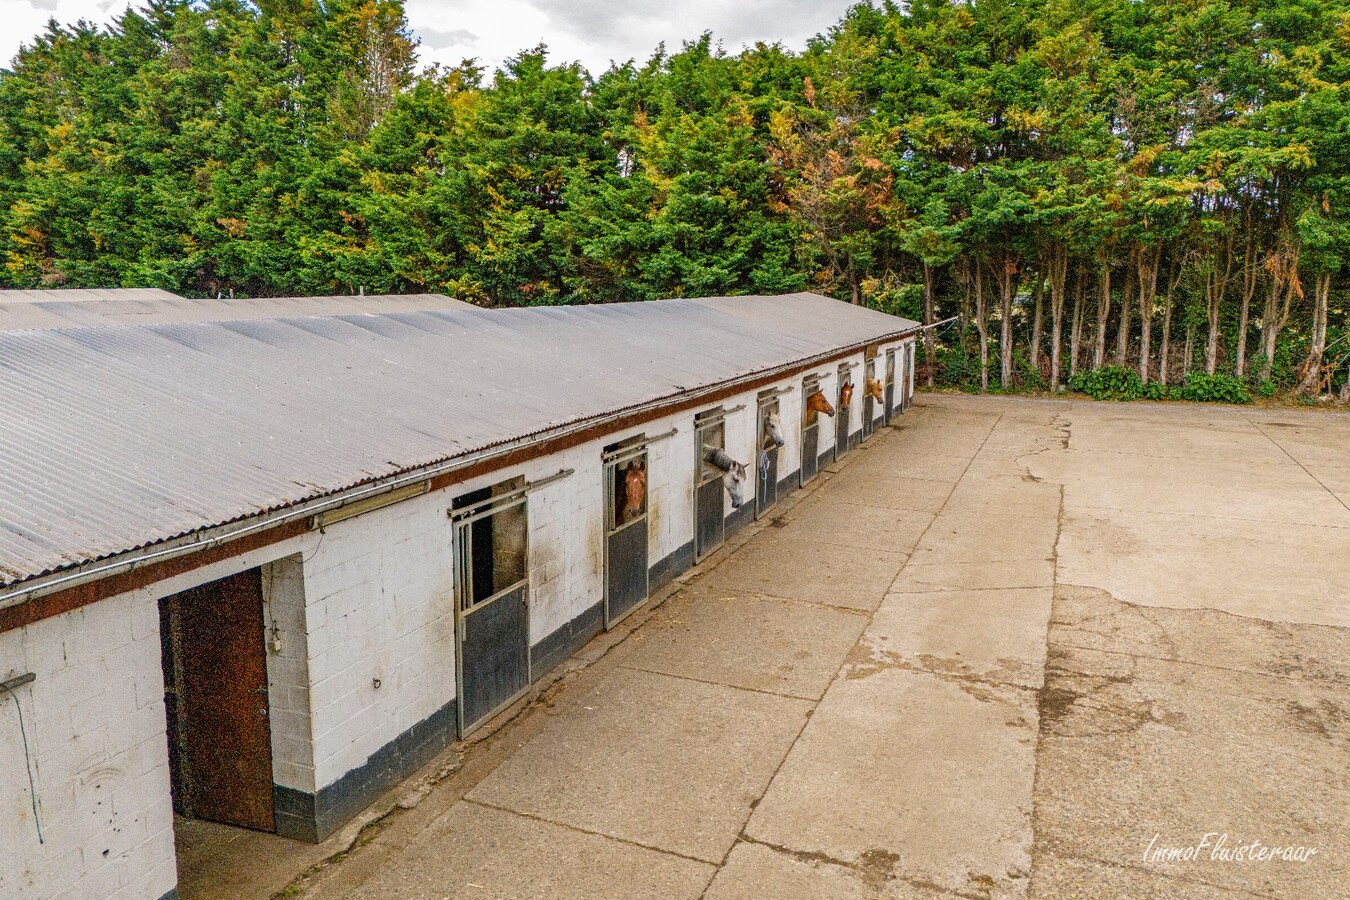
[773, 430]
[734, 475]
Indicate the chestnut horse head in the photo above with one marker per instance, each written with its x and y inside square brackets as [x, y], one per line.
[773, 431]
[816, 403]
[872, 388]
[634, 489]
[846, 394]
[733, 473]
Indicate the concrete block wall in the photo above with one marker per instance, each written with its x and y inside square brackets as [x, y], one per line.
[94, 720]
[380, 613]
[285, 626]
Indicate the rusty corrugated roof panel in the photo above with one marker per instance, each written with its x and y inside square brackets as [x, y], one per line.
[120, 437]
[136, 307]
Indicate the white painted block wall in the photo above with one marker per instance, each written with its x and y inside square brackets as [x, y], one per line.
[95, 725]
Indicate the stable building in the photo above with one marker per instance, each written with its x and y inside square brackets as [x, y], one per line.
[259, 571]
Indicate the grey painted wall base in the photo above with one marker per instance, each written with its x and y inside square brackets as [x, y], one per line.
[665, 570]
[313, 817]
[566, 640]
[740, 517]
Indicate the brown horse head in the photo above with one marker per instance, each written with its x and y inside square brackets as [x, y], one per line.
[816, 403]
[846, 394]
[634, 489]
[872, 388]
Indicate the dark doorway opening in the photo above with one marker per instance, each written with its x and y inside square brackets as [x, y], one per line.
[216, 703]
[492, 605]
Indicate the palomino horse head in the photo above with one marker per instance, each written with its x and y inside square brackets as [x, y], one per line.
[846, 394]
[773, 431]
[634, 489]
[733, 473]
[816, 403]
[872, 388]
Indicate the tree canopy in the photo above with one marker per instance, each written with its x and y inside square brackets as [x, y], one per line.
[1155, 189]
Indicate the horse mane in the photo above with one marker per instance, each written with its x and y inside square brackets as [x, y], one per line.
[718, 458]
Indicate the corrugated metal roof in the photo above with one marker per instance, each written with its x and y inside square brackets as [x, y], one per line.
[82, 295]
[163, 308]
[117, 438]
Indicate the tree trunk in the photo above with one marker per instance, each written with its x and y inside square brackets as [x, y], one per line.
[1076, 330]
[1189, 349]
[929, 317]
[1126, 304]
[982, 326]
[1284, 289]
[1007, 286]
[1251, 273]
[1216, 285]
[1058, 272]
[1103, 314]
[1147, 263]
[1037, 322]
[1166, 338]
[1312, 376]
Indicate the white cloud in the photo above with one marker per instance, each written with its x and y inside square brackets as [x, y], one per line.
[593, 32]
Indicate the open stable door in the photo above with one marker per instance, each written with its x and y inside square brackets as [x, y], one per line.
[215, 679]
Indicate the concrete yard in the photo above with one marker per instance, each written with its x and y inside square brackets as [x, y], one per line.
[1005, 649]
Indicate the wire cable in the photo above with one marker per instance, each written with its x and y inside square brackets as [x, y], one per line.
[32, 788]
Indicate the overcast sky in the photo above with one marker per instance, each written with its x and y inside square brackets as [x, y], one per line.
[592, 31]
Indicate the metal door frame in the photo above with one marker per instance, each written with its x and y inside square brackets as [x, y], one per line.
[868, 404]
[609, 462]
[463, 562]
[766, 401]
[888, 388]
[810, 385]
[716, 416]
[906, 378]
[845, 375]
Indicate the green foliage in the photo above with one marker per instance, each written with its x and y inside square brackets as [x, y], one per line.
[1109, 383]
[929, 159]
[1217, 388]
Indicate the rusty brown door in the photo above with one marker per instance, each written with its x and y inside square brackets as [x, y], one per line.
[216, 678]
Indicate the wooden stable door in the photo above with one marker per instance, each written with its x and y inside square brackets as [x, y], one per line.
[215, 668]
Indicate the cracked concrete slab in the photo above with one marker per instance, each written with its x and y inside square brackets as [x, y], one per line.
[836, 575]
[991, 635]
[1137, 753]
[474, 852]
[970, 534]
[917, 577]
[936, 770]
[754, 871]
[1290, 573]
[746, 640]
[889, 490]
[660, 761]
[856, 525]
[477, 852]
